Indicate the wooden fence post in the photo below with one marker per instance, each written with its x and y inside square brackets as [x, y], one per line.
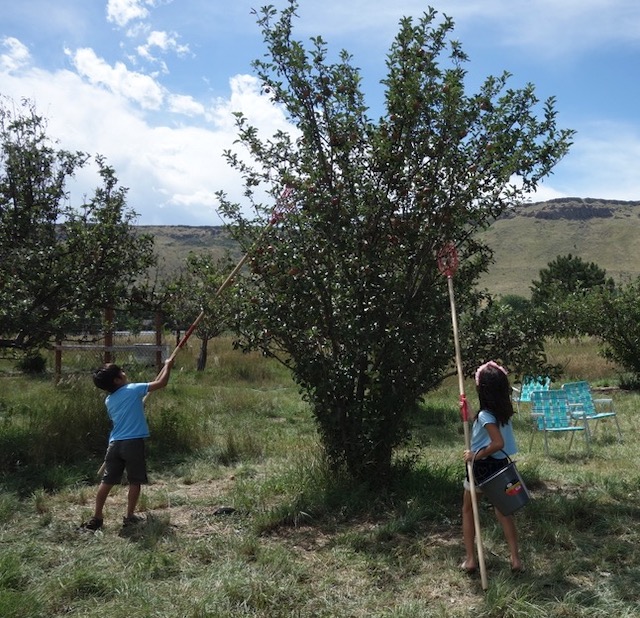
[159, 341]
[108, 335]
[58, 362]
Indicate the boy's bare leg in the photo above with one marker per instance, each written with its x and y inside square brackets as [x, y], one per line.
[133, 497]
[101, 498]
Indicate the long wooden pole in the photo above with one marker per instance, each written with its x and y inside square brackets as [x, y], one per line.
[277, 212]
[467, 438]
[232, 275]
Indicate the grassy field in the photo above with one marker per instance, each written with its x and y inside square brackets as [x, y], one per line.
[525, 245]
[244, 519]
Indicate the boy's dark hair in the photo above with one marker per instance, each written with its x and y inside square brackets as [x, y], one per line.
[104, 377]
[494, 394]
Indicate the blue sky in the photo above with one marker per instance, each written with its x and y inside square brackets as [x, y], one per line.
[152, 84]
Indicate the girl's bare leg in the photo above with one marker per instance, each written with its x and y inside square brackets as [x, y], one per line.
[511, 536]
[468, 533]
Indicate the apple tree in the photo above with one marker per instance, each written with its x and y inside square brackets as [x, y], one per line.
[344, 286]
[565, 282]
[60, 264]
[194, 291]
[612, 315]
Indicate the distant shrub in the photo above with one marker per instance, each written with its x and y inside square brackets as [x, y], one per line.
[32, 364]
[177, 429]
[630, 382]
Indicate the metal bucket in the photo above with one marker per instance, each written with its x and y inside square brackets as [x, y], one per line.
[506, 490]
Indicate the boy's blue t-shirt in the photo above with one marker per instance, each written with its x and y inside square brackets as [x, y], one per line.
[126, 410]
[480, 436]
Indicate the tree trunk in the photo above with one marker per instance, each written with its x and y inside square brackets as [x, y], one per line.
[202, 358]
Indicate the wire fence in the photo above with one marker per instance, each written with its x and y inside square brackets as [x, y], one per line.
[132, 341]
[112, 344]
[143, 349]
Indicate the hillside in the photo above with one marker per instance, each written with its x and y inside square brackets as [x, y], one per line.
[606, 232]
[173, 243]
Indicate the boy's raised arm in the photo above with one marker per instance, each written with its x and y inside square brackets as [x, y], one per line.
[163, 377]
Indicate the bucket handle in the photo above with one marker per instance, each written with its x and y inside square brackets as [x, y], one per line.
[509, 460]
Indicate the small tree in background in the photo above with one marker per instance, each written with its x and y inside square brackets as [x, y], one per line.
[345, 290]
[612, 315]
[510, 331]
[574, 298]
[195, 291]
[563, 284]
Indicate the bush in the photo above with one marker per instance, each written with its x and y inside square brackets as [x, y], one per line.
[64, 426]
[630, 382]
[32, 364]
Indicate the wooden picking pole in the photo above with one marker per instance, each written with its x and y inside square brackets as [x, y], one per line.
[448, 263]
[227, 282]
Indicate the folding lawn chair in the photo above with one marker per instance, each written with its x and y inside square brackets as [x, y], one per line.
[582, 402]
[529, 384]
[552, 413]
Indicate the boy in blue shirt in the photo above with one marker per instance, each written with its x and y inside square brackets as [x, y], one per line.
[126, 450]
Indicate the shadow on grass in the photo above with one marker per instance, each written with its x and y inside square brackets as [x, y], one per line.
[150, 532]
[581, 548]
[581, 545]
[25, 480]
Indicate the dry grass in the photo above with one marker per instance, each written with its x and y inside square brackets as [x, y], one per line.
[580, 360]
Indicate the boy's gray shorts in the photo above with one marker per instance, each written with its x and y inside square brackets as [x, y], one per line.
[126, 455]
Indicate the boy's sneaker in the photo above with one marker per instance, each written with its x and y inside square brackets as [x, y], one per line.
[92, 525]
[132, 520]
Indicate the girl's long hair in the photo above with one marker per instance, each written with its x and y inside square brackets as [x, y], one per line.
[494, 394]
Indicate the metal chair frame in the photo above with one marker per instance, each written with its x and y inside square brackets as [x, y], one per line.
[552, 413]
[581, 401]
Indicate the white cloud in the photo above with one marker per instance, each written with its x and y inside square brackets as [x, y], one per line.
[247, 98]
[172, 170]
[183, 104]
[555, 29]
[16, 57]
[605, 160]
[137, 87]
[145, 52]
[166, 42]
[602, 163]
[545, 193]
[191, 161]
[548, 28]
[162, 41]
[121, 12]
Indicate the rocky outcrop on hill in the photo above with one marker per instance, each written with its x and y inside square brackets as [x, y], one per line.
[578, 209]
